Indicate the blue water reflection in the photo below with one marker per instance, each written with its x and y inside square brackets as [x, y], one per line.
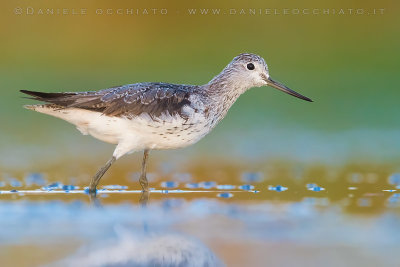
[203, 223]
[169, 232]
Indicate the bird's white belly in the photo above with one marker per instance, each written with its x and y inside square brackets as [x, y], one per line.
[137, 133]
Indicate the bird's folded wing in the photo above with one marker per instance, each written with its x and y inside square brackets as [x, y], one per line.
[127, 100]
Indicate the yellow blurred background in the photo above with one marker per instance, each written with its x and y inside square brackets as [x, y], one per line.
[348, 63]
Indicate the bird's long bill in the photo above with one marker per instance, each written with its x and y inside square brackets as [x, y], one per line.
[285, 89]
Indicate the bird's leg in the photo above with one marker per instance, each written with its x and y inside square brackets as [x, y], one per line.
[95, 179]
[143, 179]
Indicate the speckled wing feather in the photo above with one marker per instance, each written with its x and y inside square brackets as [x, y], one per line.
[127, 100]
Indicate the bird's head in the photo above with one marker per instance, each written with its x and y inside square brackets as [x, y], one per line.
[250, 70]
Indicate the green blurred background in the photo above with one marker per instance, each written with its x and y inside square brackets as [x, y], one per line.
[348, 64]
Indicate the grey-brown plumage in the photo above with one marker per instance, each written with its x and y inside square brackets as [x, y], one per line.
[127, 100]
[146, 116]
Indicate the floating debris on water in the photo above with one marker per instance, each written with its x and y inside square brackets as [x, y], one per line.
[35, 179]
[170, 184]
[13, 191]
[352, 188]
[225, 195]
[310, 186]
[389, 190]
[69, 187]
[207, 185]
[192, 185]
[226, 187]
[246, 187]
[56, 185]
[252, 177]
[315, 188]
[277, 188]
[115, 187]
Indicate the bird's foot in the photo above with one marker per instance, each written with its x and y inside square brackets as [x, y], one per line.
[92, 190]
[144, 183]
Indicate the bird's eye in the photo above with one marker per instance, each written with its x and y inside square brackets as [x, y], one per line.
[250, 66]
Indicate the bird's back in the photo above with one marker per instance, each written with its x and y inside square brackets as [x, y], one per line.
[127, 100]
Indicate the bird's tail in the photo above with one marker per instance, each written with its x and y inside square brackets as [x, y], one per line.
[61, 99]
[54, 101]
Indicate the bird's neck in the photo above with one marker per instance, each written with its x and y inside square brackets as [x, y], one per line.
[226, 84]
[222, 92]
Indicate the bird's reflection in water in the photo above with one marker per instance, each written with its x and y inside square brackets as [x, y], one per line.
[144, 198]
[143, 247]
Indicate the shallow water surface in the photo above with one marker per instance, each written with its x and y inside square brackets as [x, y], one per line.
[276, 216]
